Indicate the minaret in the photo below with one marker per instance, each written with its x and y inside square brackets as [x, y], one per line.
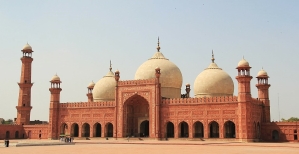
[244, 100]
[24, 103]
[54, 107]
[244, 78]
[89, 93]
[263, 93]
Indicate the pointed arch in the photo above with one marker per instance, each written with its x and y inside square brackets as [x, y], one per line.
[169, 130]
[7, 135]
[75, 130]
[214, 129]
[16, 134]
[135, 111]
[198, 130]
[97, 130]
[183, 129]
[144, 128]
[229, 129]
[63, 129]
[258, 129]
[275, 135]
[109, 130]
[85, 130]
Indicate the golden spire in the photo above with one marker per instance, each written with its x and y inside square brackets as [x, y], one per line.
[213, 59]
[110, 68]
[158, 47]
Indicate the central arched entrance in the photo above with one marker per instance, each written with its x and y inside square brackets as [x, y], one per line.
[144, 128]
[136, 117]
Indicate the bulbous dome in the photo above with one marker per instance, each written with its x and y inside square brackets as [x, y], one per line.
[262, 73]
[213, 81]
[243, 63]
[55, 78]
[171, 78]
[27, 47]
[104, 89]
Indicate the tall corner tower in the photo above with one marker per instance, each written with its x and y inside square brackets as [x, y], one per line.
[54, 107]
[263, 93]
[24, 103]
[244, 101]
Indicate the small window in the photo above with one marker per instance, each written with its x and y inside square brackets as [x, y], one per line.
[295, 131]
[23, 104]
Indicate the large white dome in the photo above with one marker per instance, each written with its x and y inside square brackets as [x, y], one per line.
[213, 81]
[104, 89]
[171, 77]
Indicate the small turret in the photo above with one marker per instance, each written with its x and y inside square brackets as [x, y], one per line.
[263, 93]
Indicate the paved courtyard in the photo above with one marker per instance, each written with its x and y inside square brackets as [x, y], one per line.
[150, 147]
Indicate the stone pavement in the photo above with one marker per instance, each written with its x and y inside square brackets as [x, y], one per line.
[149, 147]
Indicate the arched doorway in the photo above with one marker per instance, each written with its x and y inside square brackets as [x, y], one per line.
[63, 129]
[97, 130]
[85, 130]
[144, 129]
[29, 134]
[136, 110]
[229, 130]
[109, 130]
[16, 134]
[258, 130]
[183, 129]
[7, 135]
[198, 130]
[75, 130]
[169, 130]
[275, 135]
[214, 129]
[254, 133]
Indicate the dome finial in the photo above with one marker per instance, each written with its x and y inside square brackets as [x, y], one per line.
[110, 68]
[213, 59]
[158, 47]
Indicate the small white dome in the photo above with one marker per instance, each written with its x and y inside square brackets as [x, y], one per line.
[91, 84]
[104, 89]
[262, 73]
[243, 63]
[27, 47]
[55, 78]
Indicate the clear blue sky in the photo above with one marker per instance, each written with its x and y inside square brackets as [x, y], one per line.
[76, 40]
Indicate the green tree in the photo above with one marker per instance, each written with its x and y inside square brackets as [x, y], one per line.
[8, 121]
[292, 119]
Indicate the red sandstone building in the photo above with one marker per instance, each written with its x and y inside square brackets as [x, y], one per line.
[152, 106]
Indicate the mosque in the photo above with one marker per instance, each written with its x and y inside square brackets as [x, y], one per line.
[152, 106]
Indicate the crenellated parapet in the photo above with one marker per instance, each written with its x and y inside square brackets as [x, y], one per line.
[201, 100]
[87, 104]
[136, 82]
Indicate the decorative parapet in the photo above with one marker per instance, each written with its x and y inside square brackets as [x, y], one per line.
[87, 104]
[201, 100]
[136, 82]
